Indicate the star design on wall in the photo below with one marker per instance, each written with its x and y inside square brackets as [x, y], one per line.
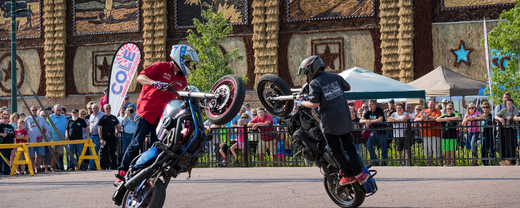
[7, 72]
[328, 58]
[104, 68]
[461, 54]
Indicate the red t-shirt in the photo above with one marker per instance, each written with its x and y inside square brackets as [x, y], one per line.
[151, 101]
[102, 102]
[18, 132]
[265, 136]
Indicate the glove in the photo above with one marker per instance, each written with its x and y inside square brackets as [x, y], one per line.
[304, 97]
[299, 102]
[160, 85]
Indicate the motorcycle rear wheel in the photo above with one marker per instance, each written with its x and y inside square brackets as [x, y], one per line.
[232, 93]
[351, 195]
[270, 85]
[134, 199]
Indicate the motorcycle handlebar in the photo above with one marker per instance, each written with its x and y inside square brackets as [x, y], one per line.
[192, 94]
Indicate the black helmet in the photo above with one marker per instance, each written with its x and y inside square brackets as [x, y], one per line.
[311, 66]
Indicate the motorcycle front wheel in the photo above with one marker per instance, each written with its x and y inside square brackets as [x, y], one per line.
[231, 93]
[146, 195]
[270, 85]
[351, 195]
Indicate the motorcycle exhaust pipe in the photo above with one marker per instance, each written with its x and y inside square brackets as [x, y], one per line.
[137, 179]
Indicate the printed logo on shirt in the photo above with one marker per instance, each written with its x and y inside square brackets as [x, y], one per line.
[332, 91]
[373, 117]
[8, 131]
[167, 76]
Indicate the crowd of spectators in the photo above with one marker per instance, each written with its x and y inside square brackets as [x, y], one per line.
[90, 123]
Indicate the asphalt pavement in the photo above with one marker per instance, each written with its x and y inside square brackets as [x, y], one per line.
[277, 187]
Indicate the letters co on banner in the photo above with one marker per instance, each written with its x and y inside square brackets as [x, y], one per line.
[124, 65]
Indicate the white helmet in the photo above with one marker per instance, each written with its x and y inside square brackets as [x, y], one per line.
[182, 56]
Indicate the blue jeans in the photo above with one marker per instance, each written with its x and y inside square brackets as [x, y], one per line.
[381, 140]
[97, 145]
[472, 137]
[359, 148]
[75, 149]
[7, 155]
[126, 141]
[143, 128]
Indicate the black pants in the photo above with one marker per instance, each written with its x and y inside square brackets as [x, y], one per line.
[488, 147]
[508, 144]
[349, 167]
[108, 152]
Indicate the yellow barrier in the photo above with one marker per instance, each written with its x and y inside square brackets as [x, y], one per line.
[22, 149]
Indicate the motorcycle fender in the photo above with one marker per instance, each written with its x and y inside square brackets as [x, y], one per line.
[119, 194]
[147, 157]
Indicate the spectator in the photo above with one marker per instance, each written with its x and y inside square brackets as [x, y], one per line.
[14, 120]
[22, 116]
[93, 126]
[108, 127]
[128, 104]
[391, 108]
[64, 112]
[47, 157]
[360, 111]
[60, 121]
[253, 114]
[506, 116]
[86, 135]
[400, 134]
[129, 127]
[248, 110]
[240, 140]
[234, 122]
[262, 123]
[431, 137]
[121, 114]
[8, 111]
[473, 133]
[356, 134]
[35, 137]
[351, 104]
[74, 131]
[6, 137]
[89, 109]
[103, 100]
[225, 143]
[22, 136]
[438, 107]
[410, 111]
[2, 109]
[488, 144]
[506, 96]
[444, 103]
[449, 135]
[375, 118]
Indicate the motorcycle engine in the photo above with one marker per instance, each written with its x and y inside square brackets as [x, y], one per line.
[308, 147]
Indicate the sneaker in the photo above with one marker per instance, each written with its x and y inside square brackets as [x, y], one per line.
[235, 161]
[224, 160]
[362, 178]
[122, 173]
[347, 180]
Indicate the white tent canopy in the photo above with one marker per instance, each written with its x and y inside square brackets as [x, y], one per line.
[365, 84]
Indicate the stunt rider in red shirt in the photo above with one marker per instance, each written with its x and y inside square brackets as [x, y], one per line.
[154, 97]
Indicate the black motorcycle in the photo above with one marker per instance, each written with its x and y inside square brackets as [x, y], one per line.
[181, 139]
[304, 126]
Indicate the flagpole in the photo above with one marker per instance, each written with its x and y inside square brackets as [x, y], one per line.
[487, 64]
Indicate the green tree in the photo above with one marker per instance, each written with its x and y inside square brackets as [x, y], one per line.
[505, 38]
[213, 63]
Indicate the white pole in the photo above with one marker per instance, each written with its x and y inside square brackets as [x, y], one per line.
[486, 46]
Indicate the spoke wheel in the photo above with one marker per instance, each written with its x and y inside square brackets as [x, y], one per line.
[350, 195]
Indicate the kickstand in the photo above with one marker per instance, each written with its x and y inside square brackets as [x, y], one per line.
[189, 175]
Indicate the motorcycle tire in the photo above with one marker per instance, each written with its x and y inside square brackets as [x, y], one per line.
[232, 93]
[157, 199]
[270, 85]
[354, 198]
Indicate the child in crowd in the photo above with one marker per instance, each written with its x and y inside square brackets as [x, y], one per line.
[240, 141]
[22, 136]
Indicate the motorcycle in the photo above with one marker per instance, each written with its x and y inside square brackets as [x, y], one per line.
[304, 126]
[181, 142]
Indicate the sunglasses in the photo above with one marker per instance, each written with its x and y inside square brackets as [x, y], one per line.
[243, 117]
[449, 108]
[6, 117]
[34, 110]
[254, 114]
[408, 107]
[83, 114]
[365, 106]
[485, 106]
[471, 108]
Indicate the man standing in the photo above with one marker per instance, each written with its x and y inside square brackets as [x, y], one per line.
[444, 103]
[60, 121]
[248, 110]
[327, 93]
[35, 136]
[6, 137]
[374, 117]
[264, 120]
[74, 131]
[431, 137]
[108, 127]
[506, 96]
[153, 97]
[93, 125]
[127, 103]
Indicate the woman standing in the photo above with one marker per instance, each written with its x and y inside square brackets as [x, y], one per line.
[470, 120]
[356, 134]
[508, 131]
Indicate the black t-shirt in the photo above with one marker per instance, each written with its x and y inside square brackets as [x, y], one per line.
[488, 131]
[76, 128]
[108, 123]
[375, 115]
[451, 132]
[7, 128]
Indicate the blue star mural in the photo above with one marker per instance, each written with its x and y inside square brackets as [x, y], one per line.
[461, 54]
